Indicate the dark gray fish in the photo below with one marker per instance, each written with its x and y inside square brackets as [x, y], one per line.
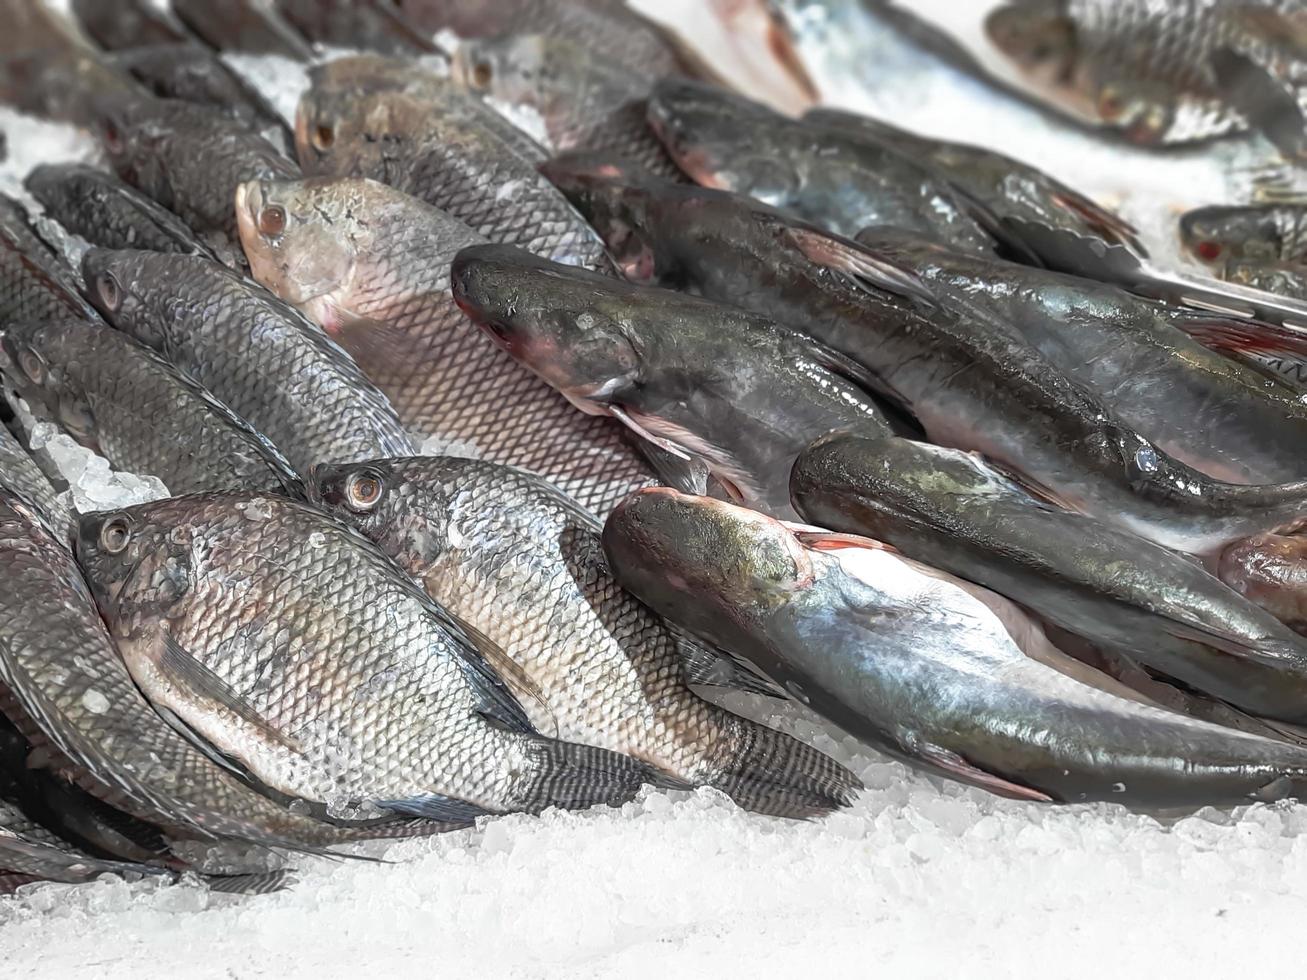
[20, 476]
[331, 677]
[370, 265]
[943, 674]
[733, 390]
[35, 284]
[118, 24]
[253, 352]
[47, 862]
[373, 25]
[191, 72]
[242, 25]
[970, 380]
[1268, 102]
[949, 510]
[1262, 234]
[119, 398]
[837, 181]
[107, 212]
[506, 552]
[430, 144]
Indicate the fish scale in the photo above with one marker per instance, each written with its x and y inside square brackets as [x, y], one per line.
[20, 475]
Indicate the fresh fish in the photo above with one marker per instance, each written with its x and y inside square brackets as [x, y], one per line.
[1270, 570]
[1010, 189]
[971, 381]
[1143, 68]
[1279, 278]
[189, 158]
[943, 674]
[733, 390]
[127, 23]
[105, 211]
[1272, 105]
[21, 477]
[299, 390]
[1255, 233]
[1199, 407]
[330, 676]
[445, 156]
[505, 551]
[35, 284]
[947, 509]
[373, 25]
[835, 180]
[47, 862]
[71, 693]
[192, 73]
[242, 25]
[124, 401]
[371, 266]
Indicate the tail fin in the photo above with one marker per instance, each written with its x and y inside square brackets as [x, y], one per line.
[573, 776]
[773, 773]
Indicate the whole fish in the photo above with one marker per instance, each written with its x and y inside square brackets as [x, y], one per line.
[446, 157]
[192, 73]
[20, 476]
[734, 390]
[242, 25]
[119, 398]
[330, 676]
[1254, 233]
[1009, 188]
[370, 264]
[835, 180]
[107, 212]
[949, 510]
[189, 158]
[970, 380]
[1142, 68]
[127, 23]
[1137, 357]
[942, 674]
[71, 692]
[1270, 570]
[505, 551]
[35, 284]
[373, 25]
[253, 352]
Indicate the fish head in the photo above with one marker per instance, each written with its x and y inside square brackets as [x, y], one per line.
[509, 68]
[137, 561]
[301, 236]
[552, 319]
[1215, 235]
[117, 282]
[1038, 36]
[671, 545]
[1142, 111]
[42, 364]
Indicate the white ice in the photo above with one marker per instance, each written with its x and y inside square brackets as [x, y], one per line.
[920, 878]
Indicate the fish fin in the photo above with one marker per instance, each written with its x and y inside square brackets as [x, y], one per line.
[434, 806]
[704, 667]
[837, 541]
[202, 745]
[666, 445]
[959, 768]
[1270, 105]
[254, 883]
[685, 475]
[574, 776]
[769, 772]
[508, 670]
[1012, 246]
[380, 348]
[1229, 335]
[177, 663]
[867, 269]
[485, 664]
[1028, 484]
[1108, 224]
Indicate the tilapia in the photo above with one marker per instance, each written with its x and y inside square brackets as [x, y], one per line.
[107, 212]
[430, 145]
[35, 284]
[119, 398]
[970, 380]
[947, 509]
[242, 25]
[506, 552]
[20, 476]
[254, 353]
[373, 25]
[48, 862]
[837, 181]
[330, 676]
[370, 265]
[1253, 233]
[733, 390]
[942, 674]
[127, 23]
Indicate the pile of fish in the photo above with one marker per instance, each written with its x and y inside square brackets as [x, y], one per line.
[536, 386]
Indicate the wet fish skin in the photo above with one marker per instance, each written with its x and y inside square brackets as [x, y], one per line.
[843, 184]
[1270, 570]
[242, 25]
[1254, 233]
[20, 476]
[734, 390]
[126, 24]
[302, 392]
[949, 510]
[370, 265]
[35, 284]
[432, 146]
[359, 696]
[870, 640]
[506, 552]
[949, 371]
[46, 862]
[372, 25]
[107, 212]
[122, 400]
[1279, 278]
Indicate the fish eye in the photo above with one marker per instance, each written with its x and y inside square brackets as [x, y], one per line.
[115, 535]
[113, 138]
[272, 220]
[482, 74]
[32, 365]
[323, 136]
[111, 293]
[363, 491]
[1208, 251]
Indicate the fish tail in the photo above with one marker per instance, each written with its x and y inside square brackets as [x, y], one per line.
[770, 772]
[573, 776]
